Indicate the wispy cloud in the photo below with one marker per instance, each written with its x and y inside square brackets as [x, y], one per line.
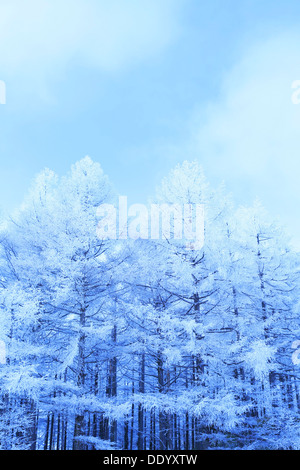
[39, 39]
[250, 135]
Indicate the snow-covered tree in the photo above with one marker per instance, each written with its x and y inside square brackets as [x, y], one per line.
[150, 343]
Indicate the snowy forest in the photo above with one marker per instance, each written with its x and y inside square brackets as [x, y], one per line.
[145, 344]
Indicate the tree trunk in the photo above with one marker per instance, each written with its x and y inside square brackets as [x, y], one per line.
[140, 442]
[80, 424]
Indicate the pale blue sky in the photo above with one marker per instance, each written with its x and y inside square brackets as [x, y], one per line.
[140, 85]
